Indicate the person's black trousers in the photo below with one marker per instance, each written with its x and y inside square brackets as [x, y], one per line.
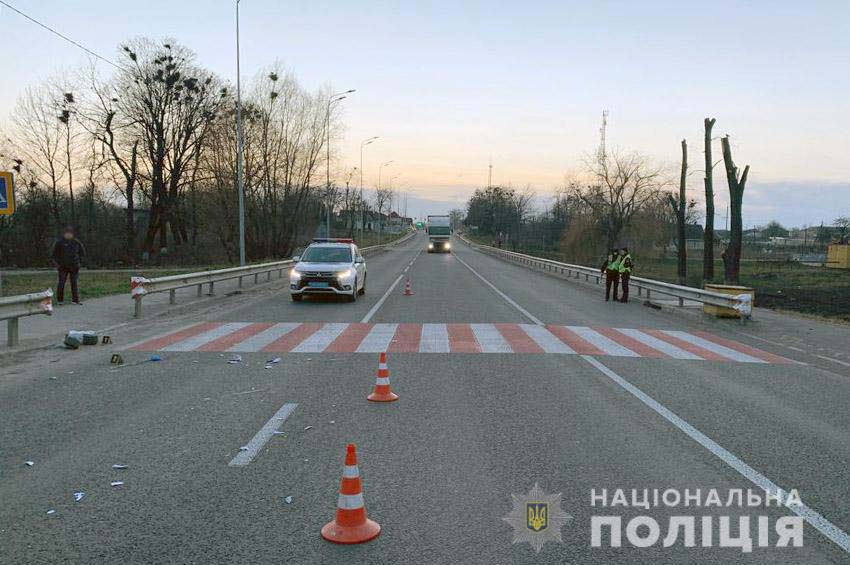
[624, 284]
[60, 288]
[611, 280]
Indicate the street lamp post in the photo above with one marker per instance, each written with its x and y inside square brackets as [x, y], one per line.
[336, 97]
[240, 149]
[363, 144]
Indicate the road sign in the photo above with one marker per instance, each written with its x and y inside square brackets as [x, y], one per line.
[7, 193]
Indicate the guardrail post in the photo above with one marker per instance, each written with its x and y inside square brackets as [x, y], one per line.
[212, 289]
[640, 290]
[240, 282]
[12, 332]
[200, 290]
[681, 302]
[647, 294]
[172, 296]
[268, 276]
[137, 309]
[256, 278]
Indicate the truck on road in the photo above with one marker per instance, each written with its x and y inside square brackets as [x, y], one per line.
[439, 230]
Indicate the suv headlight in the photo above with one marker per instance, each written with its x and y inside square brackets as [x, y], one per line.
[344, 274]
[294, 275]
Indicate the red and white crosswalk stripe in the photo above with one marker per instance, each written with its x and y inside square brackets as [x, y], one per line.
[315, 337]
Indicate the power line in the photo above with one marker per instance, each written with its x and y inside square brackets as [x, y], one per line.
[56, 33]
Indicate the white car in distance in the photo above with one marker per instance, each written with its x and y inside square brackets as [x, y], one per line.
[330, 267]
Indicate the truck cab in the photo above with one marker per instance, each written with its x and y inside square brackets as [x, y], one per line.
[439, 231]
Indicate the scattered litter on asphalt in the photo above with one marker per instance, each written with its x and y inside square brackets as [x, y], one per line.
[279, 433]
[234, 360]
[273, 361]
[287, 499]
[29, 463]
[308, 428]
[268, 367]
[52, 378]
[119, 466]
[78, 496]
[51, 511]
[243, 448]
[332, 422]
[69, 373]
[155, 358]
[117, 483]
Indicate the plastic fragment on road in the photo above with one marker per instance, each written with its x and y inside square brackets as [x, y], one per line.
[269, 367]
[29, 463]
[51, 511]
[78, 496]
[273, 361]
[117, 483]
[308, 428]
[234, 360]
[243, 448]
[155, 358]
[119, 467]
[287, 499]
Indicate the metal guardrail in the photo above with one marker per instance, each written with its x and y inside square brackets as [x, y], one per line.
[741, 302]
[12, 308]
[141, 286]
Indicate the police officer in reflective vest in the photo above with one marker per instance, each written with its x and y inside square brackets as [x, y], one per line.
[611, 270]
[625, 268]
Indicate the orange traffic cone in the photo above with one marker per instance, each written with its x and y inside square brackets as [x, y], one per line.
[382, 392]
[351, 524]
[407, 290]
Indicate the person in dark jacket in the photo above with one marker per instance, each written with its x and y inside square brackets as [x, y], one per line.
[611, 270]
[68, 255]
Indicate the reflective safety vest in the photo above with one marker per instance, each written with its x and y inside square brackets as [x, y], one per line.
[614, 265]
[625, 264]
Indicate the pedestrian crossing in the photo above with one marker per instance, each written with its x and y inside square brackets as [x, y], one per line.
[317, 337]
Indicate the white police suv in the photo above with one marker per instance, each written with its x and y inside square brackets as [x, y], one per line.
[328, 266]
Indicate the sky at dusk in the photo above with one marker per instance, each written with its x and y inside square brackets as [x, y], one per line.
[448, 86]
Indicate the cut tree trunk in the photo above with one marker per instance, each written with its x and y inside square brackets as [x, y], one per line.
[708, 235]
[680, 217]
[737, 184]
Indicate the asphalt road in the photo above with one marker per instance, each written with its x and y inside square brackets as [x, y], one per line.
[439, 466]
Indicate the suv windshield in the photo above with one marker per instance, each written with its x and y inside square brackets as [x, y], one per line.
[327, 255]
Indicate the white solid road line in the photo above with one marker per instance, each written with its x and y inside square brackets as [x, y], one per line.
[249, 451]
[845, 363]
[386, 295]
[824, 526]
[380, 302]
[510, 300]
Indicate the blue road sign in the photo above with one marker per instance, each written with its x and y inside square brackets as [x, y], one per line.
[7, 193]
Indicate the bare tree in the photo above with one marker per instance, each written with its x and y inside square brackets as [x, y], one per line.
[621, 186]
[708, 234]
[737, 183]
[169, 104]
[383, 199]
[37, 142]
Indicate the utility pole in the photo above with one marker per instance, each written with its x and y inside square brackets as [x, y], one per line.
[240, 149]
